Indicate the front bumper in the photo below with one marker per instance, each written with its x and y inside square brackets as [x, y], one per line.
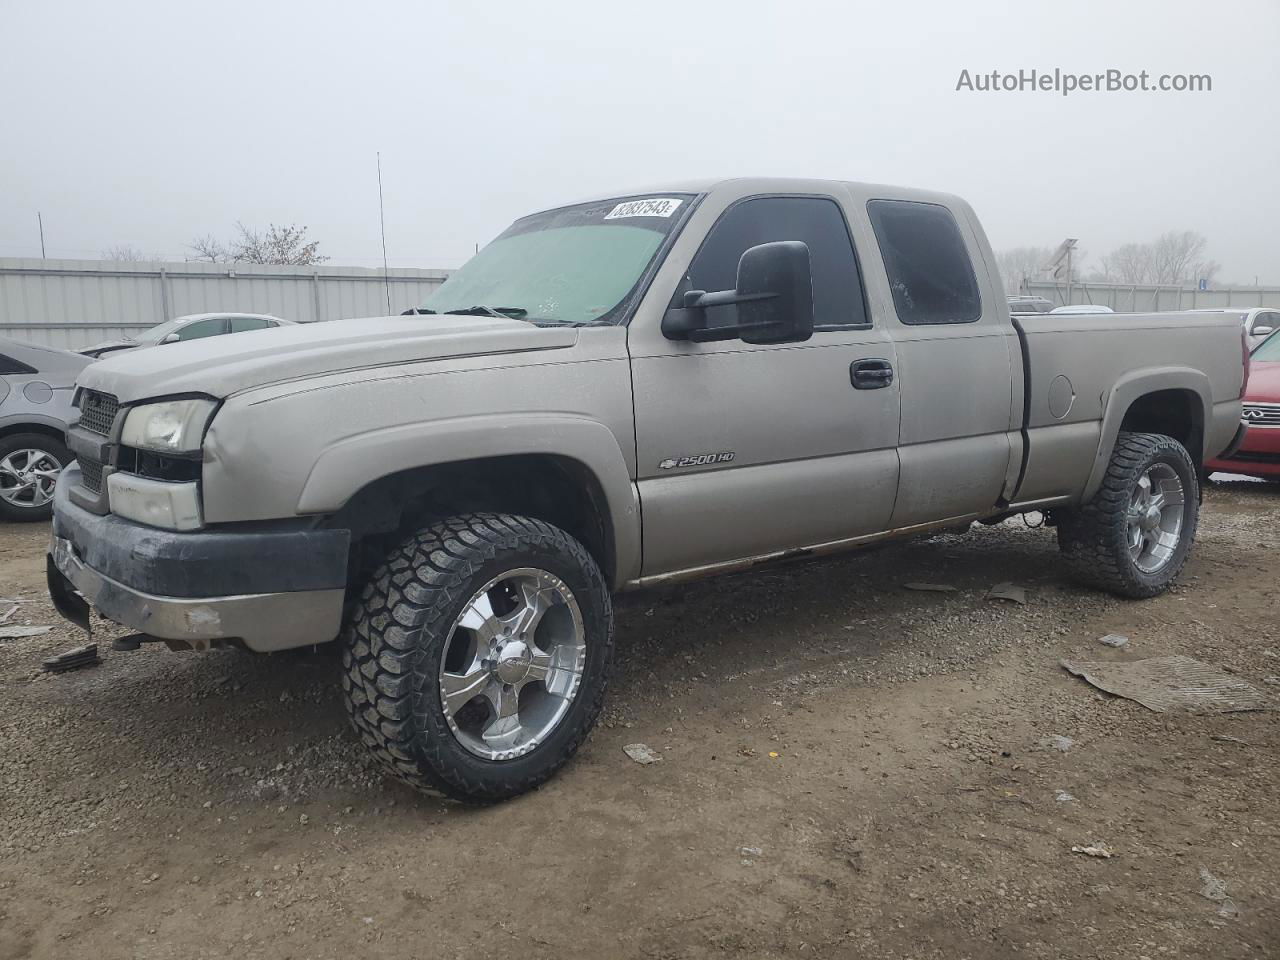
[1256, 454]
[269, 589]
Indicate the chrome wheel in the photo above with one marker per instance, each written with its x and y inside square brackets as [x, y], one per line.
[1153, 519]
[513, 663]
[28, 476]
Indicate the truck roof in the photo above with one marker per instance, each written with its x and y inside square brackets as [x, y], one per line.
[860, 190]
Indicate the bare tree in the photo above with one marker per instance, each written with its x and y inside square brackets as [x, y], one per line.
[209, 250]
[1173, 258]
[124, 251]
[1020, 264]
[277, 244]
[1179, 257]
[1131, 263]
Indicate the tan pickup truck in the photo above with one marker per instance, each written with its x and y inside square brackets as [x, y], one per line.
[669, 383]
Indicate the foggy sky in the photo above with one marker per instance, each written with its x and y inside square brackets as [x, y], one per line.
[148, 124]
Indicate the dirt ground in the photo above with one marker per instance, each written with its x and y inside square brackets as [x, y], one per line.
[850, 769]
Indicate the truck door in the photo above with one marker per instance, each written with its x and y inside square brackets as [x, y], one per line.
[745, 450]
[957, 357]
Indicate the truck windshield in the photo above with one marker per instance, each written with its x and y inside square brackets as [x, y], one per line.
[1268, 351]
[573, 265]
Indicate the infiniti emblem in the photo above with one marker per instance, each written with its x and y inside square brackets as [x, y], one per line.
[1255, 414]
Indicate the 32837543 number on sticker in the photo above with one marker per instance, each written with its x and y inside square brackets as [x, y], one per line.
[653, 207]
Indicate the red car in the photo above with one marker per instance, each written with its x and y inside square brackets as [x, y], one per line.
[1259, 453]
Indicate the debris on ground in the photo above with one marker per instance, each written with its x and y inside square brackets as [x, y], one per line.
[1100, 850]
[1172, 684]
[1114, 640]
[641, 753]
[1222, 738]
[17, 632]
[749, 854]
[73, 659]
[930, 587]
[1063, 797]
[4, 617]
[1008, 591]
[1055, 742]
[1216, 890]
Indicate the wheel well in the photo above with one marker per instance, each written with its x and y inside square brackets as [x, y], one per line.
[42, 428]
[1175, 413]
[559, 490]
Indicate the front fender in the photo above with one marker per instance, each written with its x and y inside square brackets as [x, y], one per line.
[1130, 387]
[349, 464]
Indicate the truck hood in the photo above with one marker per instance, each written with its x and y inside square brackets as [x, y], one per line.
[221, 366]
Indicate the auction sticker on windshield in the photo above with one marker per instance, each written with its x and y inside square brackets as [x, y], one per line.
[653, 207]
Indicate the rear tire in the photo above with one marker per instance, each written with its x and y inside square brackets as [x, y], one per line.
[1132, 538]
[476, 661]
[26, 487]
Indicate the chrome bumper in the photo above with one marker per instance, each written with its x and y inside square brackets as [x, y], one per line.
[262, 621]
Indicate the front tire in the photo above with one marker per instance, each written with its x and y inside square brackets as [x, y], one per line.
[476, 661]
[29, 467]
[1133, 536]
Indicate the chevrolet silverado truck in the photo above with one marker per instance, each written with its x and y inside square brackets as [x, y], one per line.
[614, 394]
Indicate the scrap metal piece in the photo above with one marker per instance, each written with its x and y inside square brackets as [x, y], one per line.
[1008, 591]
[1178, 684]
[73, 659]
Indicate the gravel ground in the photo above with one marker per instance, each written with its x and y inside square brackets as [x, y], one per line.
[848, 769]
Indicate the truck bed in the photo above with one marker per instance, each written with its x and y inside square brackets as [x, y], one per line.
[1074, 389]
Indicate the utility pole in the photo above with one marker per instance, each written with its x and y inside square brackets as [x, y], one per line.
[40, 220]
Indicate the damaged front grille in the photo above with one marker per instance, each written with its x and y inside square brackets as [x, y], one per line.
[98, 412]
[91, 475]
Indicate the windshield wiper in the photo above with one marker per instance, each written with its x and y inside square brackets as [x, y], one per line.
[414, 310]
[481, 310]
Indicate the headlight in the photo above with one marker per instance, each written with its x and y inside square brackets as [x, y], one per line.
[174, 426]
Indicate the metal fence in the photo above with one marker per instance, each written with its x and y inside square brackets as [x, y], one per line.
[74, 303]
[1144, 298]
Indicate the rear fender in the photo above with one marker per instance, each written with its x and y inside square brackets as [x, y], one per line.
[1129, 389]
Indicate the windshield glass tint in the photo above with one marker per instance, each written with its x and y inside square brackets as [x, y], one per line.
[1268, 351]
[572, 265]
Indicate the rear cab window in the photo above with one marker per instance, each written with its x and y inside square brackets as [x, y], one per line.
[929, 269]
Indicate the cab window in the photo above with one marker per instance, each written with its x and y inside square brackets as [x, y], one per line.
[203, 328]
[817, 221]
[929, 270]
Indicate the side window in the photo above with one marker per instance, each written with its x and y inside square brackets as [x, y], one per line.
[929, 269]
[203, 328]
[10, 365]
[241, 324]
[837, 283]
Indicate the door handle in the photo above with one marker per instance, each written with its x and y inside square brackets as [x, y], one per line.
[870, 374]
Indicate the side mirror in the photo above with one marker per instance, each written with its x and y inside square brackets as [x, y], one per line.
[773, 297]
[1263, 329]
[169, 338]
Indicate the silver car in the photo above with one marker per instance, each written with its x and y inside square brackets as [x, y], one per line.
[36, 387]
[191, 327]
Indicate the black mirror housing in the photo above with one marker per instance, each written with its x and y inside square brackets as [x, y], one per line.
[773, 295]
[780, 269]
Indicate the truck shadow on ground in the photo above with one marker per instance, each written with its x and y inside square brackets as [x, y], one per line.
[261, 727]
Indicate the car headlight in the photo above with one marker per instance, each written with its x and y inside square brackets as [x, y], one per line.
[172, 426]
